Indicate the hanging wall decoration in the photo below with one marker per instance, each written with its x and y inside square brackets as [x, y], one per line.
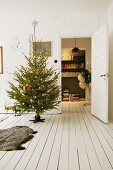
[46, 45]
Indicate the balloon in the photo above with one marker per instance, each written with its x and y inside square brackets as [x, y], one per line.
[84, 73]
[86, 80]
[80, 78]
[90, 85]
[82, 85]
[89, 77]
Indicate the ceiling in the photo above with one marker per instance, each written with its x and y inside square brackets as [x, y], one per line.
[51, 5]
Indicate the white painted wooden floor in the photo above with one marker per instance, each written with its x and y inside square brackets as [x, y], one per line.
[73, 140]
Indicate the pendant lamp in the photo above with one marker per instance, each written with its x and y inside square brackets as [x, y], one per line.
[75, 49]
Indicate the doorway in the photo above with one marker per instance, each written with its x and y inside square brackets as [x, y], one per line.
[98, 58]
[71, 68]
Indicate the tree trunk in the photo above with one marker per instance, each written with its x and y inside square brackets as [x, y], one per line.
[37, 117]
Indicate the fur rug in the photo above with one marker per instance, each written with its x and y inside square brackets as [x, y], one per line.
[12, 138]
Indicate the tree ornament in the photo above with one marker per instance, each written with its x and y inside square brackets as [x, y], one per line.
[31, 100]
[24, 89]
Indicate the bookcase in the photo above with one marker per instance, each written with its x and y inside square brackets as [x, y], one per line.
[71, 66]
[74, 63]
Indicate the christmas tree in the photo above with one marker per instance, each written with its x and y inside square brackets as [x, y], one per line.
[36, 89]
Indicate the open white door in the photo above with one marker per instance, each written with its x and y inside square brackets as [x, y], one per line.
[99, 94]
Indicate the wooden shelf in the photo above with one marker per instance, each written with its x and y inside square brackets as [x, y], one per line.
[72, 61]
[73, 66]
[72, 70]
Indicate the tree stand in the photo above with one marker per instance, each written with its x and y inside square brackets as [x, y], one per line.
[38, 119]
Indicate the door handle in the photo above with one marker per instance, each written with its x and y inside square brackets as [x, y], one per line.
[105, 75]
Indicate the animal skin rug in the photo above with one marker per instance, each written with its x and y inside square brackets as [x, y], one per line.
[12, 138]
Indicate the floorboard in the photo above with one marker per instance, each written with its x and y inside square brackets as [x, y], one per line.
[73, 140]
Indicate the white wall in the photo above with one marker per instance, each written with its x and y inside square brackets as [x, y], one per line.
[52, 27]
[110, 23]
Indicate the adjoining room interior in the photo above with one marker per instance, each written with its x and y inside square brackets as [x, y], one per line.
[72, 66]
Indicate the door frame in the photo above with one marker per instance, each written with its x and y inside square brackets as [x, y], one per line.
[59, 39]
